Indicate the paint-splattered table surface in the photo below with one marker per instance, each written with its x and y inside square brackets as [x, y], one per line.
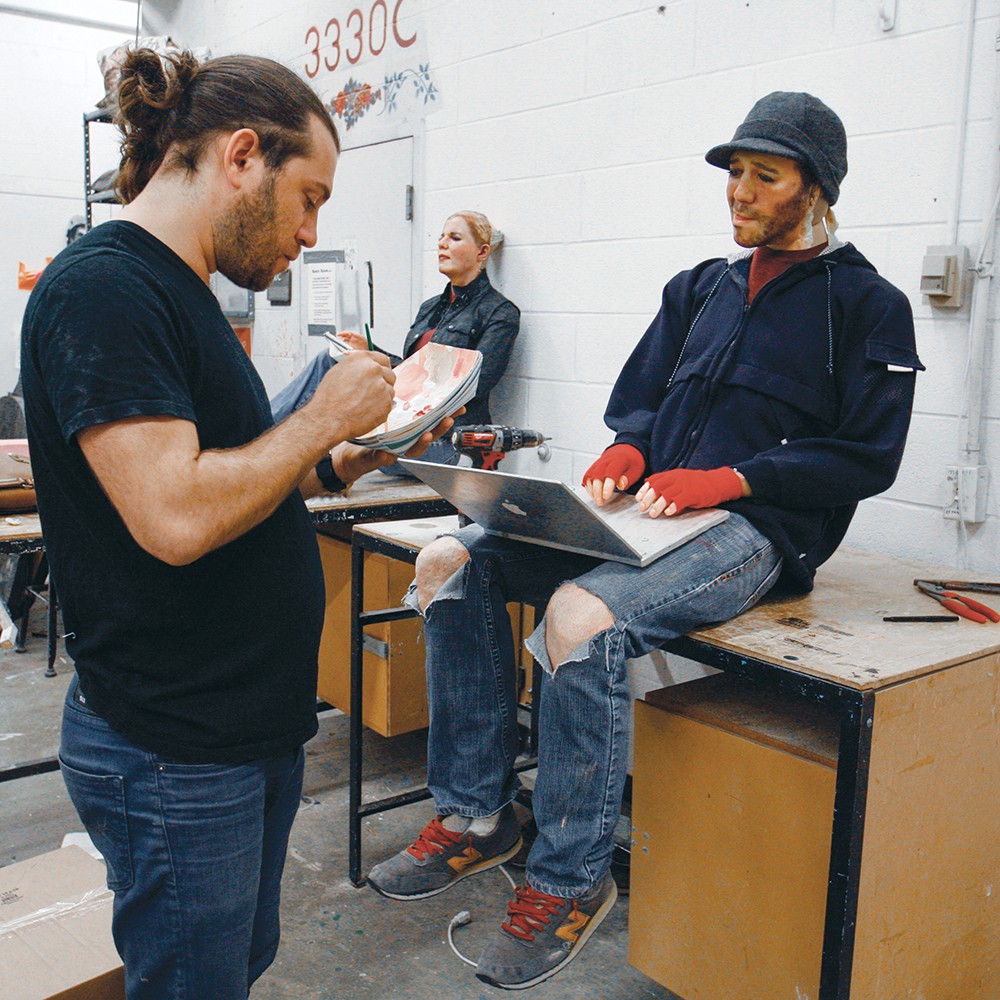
[378, 496]
[20, 533]
[836, 633]
[411, 533]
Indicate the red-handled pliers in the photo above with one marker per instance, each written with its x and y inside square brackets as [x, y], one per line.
[954, 602]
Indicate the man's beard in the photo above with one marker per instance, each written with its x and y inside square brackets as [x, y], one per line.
[786, 220]
[246, 240]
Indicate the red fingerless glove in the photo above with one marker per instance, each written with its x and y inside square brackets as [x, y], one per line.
[619, 462]
[695, 488]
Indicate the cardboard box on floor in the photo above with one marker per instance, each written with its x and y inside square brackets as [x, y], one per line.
[55, 930]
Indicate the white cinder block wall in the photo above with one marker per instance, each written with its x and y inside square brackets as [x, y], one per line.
[579, 126]
[49, 76]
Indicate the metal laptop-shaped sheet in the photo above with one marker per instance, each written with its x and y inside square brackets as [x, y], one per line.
[551, 513]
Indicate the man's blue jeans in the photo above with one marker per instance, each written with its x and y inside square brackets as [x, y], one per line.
[585, 709]
[194, 854]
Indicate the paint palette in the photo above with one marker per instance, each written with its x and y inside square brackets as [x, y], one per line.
[431, 384]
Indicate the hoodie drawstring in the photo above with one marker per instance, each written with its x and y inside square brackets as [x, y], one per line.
[708, 298]
[829, 320]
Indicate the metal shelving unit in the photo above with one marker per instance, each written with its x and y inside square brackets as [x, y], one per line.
[100, 116]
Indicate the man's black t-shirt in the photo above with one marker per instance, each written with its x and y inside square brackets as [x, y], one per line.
[213, 662]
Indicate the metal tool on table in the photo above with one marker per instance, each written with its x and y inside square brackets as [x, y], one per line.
[920, 619]
[492, 441]
[979, 586]
[946, 593]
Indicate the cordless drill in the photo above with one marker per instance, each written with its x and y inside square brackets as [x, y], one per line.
[490, 442]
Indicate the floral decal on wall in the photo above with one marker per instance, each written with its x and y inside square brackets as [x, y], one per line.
[354, 101]
[422, 85]
[357, 98]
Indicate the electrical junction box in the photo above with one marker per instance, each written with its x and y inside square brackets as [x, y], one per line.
[968, 486]
[943, 275]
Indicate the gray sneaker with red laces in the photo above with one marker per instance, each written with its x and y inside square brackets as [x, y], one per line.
[542, 934]
[440, 857]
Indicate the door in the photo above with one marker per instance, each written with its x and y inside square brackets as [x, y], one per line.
[368, 219]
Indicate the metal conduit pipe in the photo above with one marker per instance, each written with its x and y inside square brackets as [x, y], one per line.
[80, 22]
[983, 281]
[961, 119]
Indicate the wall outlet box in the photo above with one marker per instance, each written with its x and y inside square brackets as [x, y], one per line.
[943, 275]
[967, 488]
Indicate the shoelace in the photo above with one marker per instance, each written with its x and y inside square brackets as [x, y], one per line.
[434, 839]
[530, 911]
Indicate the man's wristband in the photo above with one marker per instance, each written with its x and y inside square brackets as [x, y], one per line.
[331, 482]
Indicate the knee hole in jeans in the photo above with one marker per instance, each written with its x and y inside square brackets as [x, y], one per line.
[573, 616]
[435, 565]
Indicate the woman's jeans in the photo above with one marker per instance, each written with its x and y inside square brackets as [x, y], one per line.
[194, 855]
[300, 390]
[585, 710]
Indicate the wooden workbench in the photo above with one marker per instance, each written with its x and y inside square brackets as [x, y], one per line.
[373, 496]
[376, 497]
[20, 533]
[836, 633]
[911, 901]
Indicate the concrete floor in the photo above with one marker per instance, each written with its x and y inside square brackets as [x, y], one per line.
[337, 941]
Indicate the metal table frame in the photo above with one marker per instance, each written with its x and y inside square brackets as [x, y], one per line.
[358, 513]
[29, 577]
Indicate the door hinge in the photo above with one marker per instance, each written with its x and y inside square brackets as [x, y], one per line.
[409, 202]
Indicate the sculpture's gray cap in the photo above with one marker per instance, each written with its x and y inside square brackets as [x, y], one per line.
[796, 125]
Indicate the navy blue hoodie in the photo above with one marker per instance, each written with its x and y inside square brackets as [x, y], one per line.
[799, 390]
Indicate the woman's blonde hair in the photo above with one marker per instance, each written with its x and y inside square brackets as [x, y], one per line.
[483, 231]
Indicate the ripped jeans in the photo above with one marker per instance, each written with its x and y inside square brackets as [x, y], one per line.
[585, 709]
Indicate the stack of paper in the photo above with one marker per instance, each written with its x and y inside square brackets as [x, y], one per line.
[431, 384]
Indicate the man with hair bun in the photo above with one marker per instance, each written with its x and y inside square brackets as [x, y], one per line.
[172, 507]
